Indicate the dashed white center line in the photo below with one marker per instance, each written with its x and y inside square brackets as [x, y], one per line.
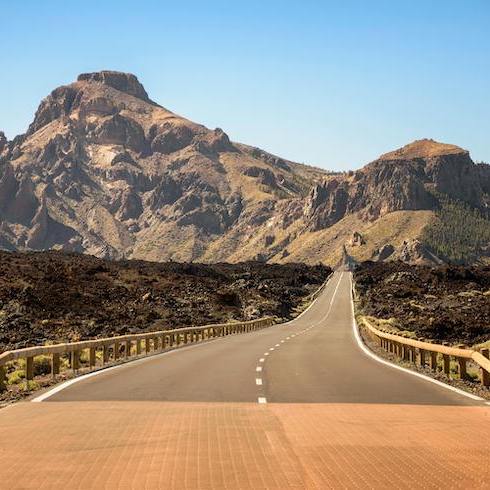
[287, 338]
[282, 341]
[258, 369]
[261, 359]
[272, 348]
[262, 399]
[277, 345]
[258, 381]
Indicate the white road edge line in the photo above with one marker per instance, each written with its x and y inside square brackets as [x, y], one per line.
[372, 355]
[258, 381]
[66, 384]
[262, 399]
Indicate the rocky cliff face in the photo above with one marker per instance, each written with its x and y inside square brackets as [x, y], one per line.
[405, 179]
[104, 170]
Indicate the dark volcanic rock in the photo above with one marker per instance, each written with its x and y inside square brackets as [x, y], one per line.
[66, 297]
[446, 303]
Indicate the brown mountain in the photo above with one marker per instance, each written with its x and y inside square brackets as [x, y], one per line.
[105, 170]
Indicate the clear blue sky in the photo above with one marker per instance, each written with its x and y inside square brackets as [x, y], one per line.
[330, 83]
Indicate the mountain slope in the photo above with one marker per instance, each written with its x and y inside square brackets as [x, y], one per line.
[105, 170]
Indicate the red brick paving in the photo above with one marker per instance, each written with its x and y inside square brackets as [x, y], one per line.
[146, 445]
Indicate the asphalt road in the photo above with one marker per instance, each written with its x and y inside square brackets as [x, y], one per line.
[313, 359]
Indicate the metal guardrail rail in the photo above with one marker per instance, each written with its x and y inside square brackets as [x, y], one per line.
[115, 349]
[420, 351]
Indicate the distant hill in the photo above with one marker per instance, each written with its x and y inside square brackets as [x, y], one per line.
[106, 171]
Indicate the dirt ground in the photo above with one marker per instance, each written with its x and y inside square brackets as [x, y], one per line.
[446, 303]
[52, 296]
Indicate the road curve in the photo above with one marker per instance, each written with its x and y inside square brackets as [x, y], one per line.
[312, 359]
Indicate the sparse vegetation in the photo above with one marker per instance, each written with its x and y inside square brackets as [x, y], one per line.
[458, 233]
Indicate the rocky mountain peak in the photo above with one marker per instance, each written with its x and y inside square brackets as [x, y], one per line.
[424, 148]
[124, 82]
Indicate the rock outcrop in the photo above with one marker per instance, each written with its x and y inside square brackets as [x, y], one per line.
[414, 252]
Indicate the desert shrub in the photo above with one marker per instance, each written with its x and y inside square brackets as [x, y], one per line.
[16, 377]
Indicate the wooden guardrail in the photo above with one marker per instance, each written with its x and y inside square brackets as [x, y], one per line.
[124, 347]
[422, 352]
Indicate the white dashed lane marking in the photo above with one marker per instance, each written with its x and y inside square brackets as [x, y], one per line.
[258, 381]
[258, 369]
[262, 399]
[261, 359]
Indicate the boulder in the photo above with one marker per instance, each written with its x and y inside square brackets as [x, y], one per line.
[384, 252]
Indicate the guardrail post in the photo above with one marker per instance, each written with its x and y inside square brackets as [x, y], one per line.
[105, 354]
[147, 345]
[127, 349]
[155, 344]
[3, 378]
[485, 375]
[446, 364]
[75, 360]
[29, 368]
[433, 361]
[55, 364]
[404, 352]
[138, 347]
[462, 364]
[116, 351]
[422, 357]
[92, 357]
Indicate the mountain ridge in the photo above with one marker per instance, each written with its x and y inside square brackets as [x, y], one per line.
[104, 170]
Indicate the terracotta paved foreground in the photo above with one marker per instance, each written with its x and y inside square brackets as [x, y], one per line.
[241, 445]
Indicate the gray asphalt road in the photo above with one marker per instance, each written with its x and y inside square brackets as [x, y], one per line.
[314, 358]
